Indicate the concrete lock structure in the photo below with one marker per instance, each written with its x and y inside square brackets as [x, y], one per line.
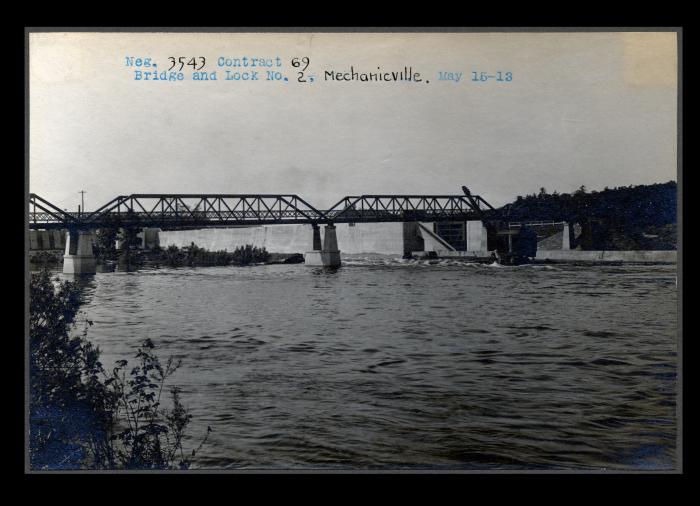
[477, 237]
[79, 258]
[326, 254]
[412, 238]
[565, 237]
[46, 240]
[555, 235]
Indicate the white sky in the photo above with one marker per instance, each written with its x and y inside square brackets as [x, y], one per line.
[593, 109]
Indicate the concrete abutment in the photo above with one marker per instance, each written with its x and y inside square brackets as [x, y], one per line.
[79, 257]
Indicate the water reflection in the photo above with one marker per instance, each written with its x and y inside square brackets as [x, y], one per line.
[323, 271]
[86, 282]
[106, 267]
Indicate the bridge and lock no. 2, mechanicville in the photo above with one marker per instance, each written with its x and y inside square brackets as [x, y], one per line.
[198, 211]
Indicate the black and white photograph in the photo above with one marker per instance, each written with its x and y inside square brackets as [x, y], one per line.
[353, 251]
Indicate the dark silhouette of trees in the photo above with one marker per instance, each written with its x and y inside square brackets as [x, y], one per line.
[634, 217]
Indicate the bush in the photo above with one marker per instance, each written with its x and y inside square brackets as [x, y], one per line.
[68, 403]
[45, 257]
[105, 247]
[194, 256]
[83, 417]
[153, 435]
[248, 254]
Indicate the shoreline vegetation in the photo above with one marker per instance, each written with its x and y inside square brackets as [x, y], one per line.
[83, 416]
[626, 218]
[173, 256]
[188, 256]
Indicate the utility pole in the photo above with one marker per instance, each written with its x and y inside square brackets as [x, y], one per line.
[82, 200]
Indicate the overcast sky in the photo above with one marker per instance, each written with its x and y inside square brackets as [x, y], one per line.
[593, 109]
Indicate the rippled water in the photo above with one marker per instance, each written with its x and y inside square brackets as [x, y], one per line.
[411, 364]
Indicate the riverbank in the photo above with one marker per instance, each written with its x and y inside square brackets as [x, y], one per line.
[567, 256]
[195, 256]
[651, 257]
[188, 256]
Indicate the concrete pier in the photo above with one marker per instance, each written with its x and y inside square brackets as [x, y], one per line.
[565, 238]
[120, 243]
[79, 258]
[329, 254]
[477, 238]
[317, 238]
[412, 238]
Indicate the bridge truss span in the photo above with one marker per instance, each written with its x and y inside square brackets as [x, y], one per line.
[387, 208]
[191, 211]
[182, 211]
[43, 214]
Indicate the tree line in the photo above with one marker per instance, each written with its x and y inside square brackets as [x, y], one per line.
[632, 217]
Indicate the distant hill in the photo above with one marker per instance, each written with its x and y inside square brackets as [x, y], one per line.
[627, 218]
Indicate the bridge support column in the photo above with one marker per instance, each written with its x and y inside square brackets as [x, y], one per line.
[566, 238]
[477, 237]
[78, 258]
[317, 237]
[119, 242]
[328, 255]
[412, 238]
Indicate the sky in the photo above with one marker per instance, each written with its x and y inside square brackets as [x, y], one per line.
[594, 109]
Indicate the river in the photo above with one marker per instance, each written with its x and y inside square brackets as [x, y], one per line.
[404, 364]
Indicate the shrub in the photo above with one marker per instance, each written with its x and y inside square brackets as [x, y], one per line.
[105, 247]
[64, 377]
[45, 257]
[80, 416]
[153, 435]
[246, 255]
[194, 256]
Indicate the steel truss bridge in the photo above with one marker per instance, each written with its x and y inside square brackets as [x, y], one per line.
[186, 211]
